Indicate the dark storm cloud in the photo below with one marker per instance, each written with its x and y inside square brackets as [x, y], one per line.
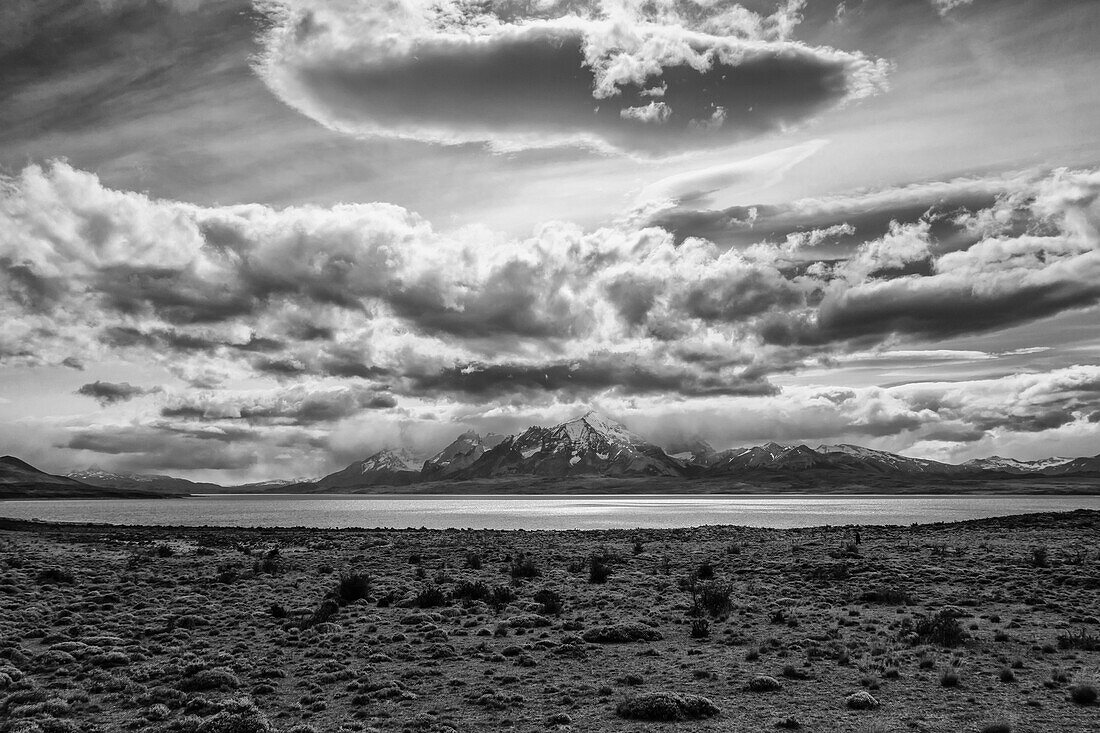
[652, 87]
[184, 342]
[109, 393]
[298, 405]
[142, 447]
[341, 362]
[924, 308]
[620, 373]
[73, 363]
[177, 296]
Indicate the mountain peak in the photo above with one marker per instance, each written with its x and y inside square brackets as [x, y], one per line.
[578, 429]
[391, 459]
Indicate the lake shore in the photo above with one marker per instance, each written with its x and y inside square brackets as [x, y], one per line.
[932, 627]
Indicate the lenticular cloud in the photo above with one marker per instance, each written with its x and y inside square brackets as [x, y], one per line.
[448, 73]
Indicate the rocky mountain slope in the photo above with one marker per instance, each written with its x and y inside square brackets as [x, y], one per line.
[386, 467]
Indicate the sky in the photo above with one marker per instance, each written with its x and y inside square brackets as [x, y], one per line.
[250, 240]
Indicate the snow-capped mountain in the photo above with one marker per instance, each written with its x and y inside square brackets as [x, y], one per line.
[843, 459]
[386, 467]
[1012, 465]
[771, 456]
[588, 445]
[1084, 466]
[886, 461]
[460, 454]
[96, 476]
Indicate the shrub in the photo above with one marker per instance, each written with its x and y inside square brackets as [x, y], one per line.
[943, 629]
[622, 633]
[524, 567]
[1083, 694]
[666, 706]
[471, 590]
[431, 597]
[705, 571]
[551, 601]
[324, 612]
[950, 678]
[54, 575]
[277, 610]
[270, 564]
[764, 683]
[1040, 557]
[1081, 640]
[861, 700]
[1006, 675]
[236, 716]
[598, 570]
[473, 561]
[501, 596]
[164, 550]
[715, 598]
[209, 679]
[352, 587]
[700, 628]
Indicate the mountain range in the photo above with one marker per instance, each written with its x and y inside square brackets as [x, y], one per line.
[591, 446]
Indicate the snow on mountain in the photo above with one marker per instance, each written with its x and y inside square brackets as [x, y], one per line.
[460, 454]
[1013, 465]
[385, 468]
[770, 456]
[390, 460]
[591, 444]
[886, 461]
[95, 476]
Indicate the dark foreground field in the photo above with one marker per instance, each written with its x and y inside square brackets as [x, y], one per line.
[980, 626]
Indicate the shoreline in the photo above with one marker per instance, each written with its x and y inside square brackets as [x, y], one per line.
[16, 524]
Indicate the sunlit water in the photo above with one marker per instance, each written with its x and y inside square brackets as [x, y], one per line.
[543, 512]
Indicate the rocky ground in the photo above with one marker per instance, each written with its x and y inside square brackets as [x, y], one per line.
[980, 626]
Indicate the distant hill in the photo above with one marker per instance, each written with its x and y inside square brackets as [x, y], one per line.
[20, 480]
[154, 483]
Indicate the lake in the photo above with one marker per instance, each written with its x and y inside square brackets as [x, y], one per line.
[541, 512]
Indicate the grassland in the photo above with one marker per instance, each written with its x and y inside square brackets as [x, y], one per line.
[978, 626]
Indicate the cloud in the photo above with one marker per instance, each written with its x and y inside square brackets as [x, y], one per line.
[297, 405]
[869, 213]
[373, 293]
[457, 72]
[138, 447]
[109, 393]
